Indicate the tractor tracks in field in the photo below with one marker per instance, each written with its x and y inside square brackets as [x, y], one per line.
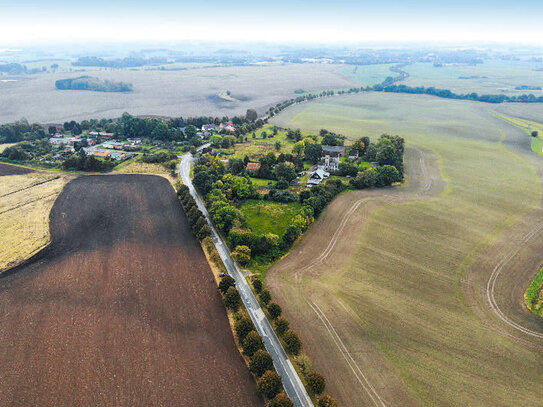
[496, 272]
[355, 368]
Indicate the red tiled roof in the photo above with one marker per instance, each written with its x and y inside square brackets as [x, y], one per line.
[253, 166]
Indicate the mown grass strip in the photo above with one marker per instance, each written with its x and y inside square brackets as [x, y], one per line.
[533, 294]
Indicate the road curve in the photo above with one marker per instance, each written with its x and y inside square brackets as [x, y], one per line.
[291, 381]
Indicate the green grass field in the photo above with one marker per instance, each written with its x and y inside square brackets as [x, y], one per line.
[368, 75]
[527, 126]
[491, 77]
[534, 294]
[269, 217]
[399, 288]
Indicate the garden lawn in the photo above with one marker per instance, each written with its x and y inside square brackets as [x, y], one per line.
[269, 217]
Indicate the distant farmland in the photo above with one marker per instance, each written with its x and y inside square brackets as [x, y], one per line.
[179, 93]
[389, 289]
[120, 310]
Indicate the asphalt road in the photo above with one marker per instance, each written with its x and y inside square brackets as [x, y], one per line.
[291, 381]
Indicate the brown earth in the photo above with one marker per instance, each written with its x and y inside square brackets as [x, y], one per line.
[6, 169]
[121, 309]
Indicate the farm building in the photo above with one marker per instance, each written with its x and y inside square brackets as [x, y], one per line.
[353, 154]
[333, 151]
[317, 177]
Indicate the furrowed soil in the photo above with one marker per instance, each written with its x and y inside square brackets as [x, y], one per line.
[121, 309]
[414, 296]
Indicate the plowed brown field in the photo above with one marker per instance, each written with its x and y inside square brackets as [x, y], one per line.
[121, 309]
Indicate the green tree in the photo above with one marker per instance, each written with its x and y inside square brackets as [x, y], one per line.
[251, 115]
[225, 283]
[316, 382]
[278, 145]
[252, 343]
[260, 362]
[281, 400]
[313, 152]
[203, 232]
[257, 284]
[275, 310]
[190, 131]
[242, 254]
[265, 296]
[232, 299]
[243, 326]
[270, 384]
[298, 148]
[326, 401]
[285, 171]
[534, 133]
[292, 341]
[281, 325]
[387, 175]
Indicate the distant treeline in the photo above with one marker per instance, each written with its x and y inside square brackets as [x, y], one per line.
[129, 62]
[17, 69]
[94, 84]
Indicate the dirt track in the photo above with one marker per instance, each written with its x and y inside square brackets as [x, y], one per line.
[121, 310]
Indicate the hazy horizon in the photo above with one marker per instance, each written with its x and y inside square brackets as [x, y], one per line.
[29, 23]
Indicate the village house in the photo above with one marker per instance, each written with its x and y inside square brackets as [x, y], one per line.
[330, 157]
[57, 141]
[209, 127]
[252, 168]
[317, 177]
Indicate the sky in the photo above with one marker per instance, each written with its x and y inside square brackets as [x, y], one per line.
[33, 22]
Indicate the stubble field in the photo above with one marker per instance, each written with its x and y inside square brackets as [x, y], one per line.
[120, 310]
[389, 288]
[26, 198]
[176, 93]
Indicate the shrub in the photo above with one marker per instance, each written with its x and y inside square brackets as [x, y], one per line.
[257, 284]
[225, 283]
[281, 400]
[327, 401]
[281, 325]
[270, 384]
[292, 341]
[275, 310]
[242, 254]
[252, 343]
[232, 299]
[265, 296]
[243, 326]
[260, 362]
[316, 382]
[204, 232]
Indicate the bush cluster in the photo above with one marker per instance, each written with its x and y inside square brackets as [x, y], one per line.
[195, 216]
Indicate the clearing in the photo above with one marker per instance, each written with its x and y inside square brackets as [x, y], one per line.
[120, 309]
[26, 198]
[269, 217]
[400, 295]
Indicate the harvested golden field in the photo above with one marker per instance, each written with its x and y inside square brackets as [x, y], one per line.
[26, 198]
[134, 166]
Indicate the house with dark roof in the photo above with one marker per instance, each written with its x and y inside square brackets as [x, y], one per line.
[333, 151]
[317, 177]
